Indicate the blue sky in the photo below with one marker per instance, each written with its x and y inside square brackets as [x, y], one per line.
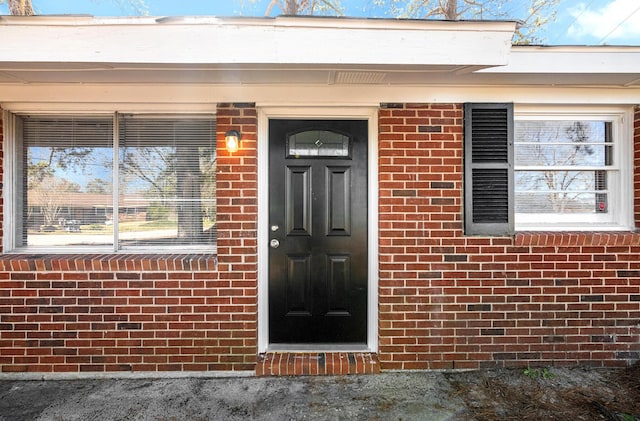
[581, 22]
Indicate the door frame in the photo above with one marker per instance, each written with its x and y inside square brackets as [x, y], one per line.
[369, 114]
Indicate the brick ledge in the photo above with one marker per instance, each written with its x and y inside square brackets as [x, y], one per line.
[316, 363]
[111, 261]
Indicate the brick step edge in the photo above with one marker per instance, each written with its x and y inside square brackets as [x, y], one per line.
[316, 363]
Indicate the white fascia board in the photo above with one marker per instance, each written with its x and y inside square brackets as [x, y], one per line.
[254, 41]
[571, 60]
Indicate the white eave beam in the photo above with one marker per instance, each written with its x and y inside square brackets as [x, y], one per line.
[571, 60]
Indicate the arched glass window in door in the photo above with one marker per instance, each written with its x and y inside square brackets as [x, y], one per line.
[318, 143]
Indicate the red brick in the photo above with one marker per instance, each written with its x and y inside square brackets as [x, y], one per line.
[548, 262]
[200, 313]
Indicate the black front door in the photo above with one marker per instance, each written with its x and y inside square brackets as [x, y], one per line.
[317, 231]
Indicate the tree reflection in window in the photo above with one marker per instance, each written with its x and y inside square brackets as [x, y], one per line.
[167, 178]
[562, 166]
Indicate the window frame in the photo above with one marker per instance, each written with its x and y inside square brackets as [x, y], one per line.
[619, 174]
[13, 187]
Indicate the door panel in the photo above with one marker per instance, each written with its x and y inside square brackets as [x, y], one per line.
[298, 200]
[339, 277]
[318, 231]
[299, 291]
[338, 200]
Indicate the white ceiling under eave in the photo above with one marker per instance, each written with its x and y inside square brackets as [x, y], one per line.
[42, 73]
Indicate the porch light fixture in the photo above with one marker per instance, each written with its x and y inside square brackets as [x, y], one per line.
[232, 139]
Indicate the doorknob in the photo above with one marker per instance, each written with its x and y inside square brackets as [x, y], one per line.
[274, 243]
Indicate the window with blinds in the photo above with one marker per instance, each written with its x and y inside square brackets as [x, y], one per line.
[564, 171]
[138, 182]
[167, 175]
[66, 194]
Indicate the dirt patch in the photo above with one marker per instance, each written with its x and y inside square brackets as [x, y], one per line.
[564, 394]
[549, 394]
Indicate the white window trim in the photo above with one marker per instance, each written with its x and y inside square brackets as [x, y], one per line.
[621, 172]
[9, 171]
[10, 178]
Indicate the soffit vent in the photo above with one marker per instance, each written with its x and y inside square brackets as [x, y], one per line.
[354, 78]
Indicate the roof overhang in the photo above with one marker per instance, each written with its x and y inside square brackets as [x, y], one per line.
[210, 48]
[568, 65]
[190, 63]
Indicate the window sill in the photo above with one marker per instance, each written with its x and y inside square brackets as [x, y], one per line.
[581, 228]
[108, 250]
[113, 261]
[577, 238]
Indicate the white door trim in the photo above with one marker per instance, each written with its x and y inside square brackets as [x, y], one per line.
[264, 114]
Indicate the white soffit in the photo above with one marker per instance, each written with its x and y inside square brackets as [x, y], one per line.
[251, 41]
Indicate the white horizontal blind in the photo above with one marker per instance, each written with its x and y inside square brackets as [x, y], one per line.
[66, 165]
[67, 131]
[167, 169]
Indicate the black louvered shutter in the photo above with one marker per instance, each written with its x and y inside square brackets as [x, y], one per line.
[488, 157]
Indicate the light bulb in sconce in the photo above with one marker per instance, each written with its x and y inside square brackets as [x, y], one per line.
[232, 139]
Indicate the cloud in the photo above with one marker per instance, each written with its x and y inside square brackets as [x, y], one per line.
[617, 21]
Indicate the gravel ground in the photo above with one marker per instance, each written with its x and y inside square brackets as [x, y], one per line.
[507, 394]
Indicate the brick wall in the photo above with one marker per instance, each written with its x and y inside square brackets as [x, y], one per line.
[237, 213]
[75, 313]
[450, 301]
[445, 300]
